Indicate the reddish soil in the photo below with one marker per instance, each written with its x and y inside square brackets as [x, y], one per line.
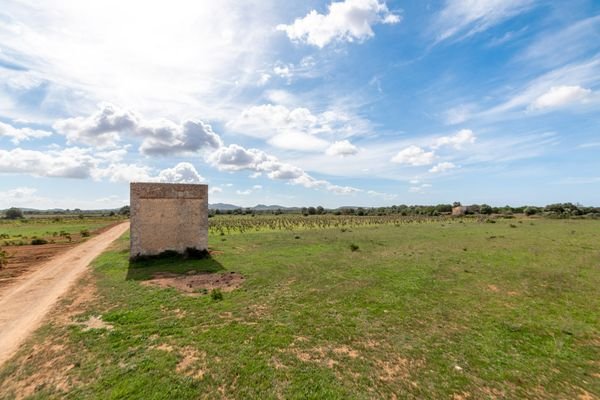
[194, 283]
[25, 302]
[27, 258]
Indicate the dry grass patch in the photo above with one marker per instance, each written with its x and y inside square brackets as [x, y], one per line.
[196, 283]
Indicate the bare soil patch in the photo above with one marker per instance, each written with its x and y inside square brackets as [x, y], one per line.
[196, 283]
[95, 322]
[26, 258]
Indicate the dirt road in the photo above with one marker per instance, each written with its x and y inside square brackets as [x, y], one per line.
[24, 304]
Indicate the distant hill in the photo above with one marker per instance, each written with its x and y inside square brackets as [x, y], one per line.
[258, 207]
[223, 206]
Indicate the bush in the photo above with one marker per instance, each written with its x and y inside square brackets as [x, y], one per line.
[216, 294]
[353, 247]
[485, 209]
[85, 233]
[14, 213]
[38, 241]
[530, 210]
[3, 258]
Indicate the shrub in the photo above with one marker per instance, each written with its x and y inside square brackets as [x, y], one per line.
[353, 247]
[530, 210]
[14, 213]
[38, 241]
[216, 294]
[85, 233]
[3, 258]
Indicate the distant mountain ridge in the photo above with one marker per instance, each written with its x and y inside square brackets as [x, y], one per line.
[258, 207]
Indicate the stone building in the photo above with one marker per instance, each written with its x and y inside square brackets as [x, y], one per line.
[168, 216]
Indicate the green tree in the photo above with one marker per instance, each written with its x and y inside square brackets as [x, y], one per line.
[485, 209]
[14, 213]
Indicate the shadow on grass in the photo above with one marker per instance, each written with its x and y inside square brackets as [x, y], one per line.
[144, 269]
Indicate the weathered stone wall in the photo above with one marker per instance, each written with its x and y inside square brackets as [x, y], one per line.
[168, 216]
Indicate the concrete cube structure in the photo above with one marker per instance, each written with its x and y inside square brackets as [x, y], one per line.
[168, 216]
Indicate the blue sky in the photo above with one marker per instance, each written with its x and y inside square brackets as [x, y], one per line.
[356, 102]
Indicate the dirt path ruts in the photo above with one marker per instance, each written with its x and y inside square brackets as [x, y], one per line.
[24, 304]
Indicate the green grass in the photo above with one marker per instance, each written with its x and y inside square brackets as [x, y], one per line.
[15, 231]
[417, 311]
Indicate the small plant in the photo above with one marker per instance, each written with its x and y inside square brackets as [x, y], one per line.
[85, 233]
[216, 294]
[3, 259]
[512, 225]
[353, 247]
[38, 241]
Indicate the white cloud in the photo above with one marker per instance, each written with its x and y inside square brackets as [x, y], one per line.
[108, 51]
[442, 167]
[461, 138]
[464, 18]
[294, 128]
[263, 79]
[124, 173]
[282, 71]
[16, 197]
[183, 172]
[580, 74]
[385, 196]
[414, 156]
[457, 115]
[18, 135]
[298, 141]
[237, 158]
[67, 163]
[341, 148]
[422, 188]
[103, 128]
[559, 96]
[249, 191]
[349, 21]
[573, 40]
[214, 189]
[107, 126]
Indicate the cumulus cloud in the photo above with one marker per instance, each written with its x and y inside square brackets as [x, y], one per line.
[164, 137]
[559, 96]
[237, 158]
[103, 128]
[298, 141]
[18, 135]
[183, 172]
[107, 126]
[124, 173]
[294, 128]
[442, 167]
[461, 138]
[348, 21]
[67, 163]
[465, 18]
[414, 156]
[341, 148]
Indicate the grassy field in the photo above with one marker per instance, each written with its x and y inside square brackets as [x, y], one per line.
[440, 310]
[19, 232]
